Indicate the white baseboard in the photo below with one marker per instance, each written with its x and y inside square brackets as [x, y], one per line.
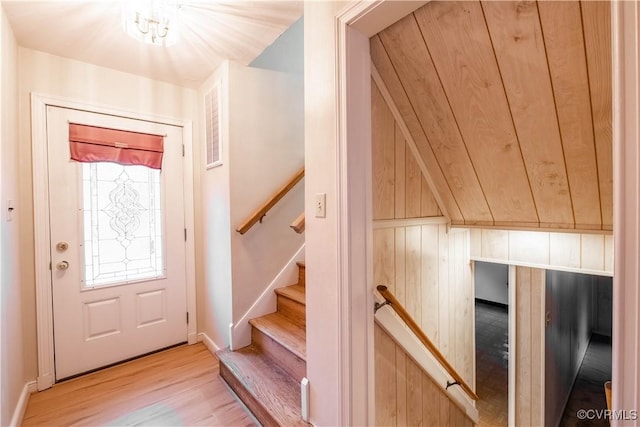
[21, 406]
[44, 382]
[192, 338]
[208, 342]
[266, 302]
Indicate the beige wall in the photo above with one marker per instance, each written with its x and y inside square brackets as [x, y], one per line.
[266, 143]
[262, 136]
[214, 243]
[323, 348]
[57, 76]
[12, 351]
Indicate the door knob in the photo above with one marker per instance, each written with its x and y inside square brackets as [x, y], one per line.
[62, 246]
[62, 265]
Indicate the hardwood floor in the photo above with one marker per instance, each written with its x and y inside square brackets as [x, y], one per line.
[177, 387]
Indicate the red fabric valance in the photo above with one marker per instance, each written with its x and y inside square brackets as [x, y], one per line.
[95, 144]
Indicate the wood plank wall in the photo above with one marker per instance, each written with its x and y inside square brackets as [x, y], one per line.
[583, 253]
[428, 269]
[529, 347]
[405, 395]
[399, 189]
[509, 106]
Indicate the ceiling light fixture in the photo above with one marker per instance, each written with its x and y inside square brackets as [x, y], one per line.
[152, 21]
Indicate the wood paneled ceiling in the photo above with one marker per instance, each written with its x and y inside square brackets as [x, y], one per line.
[509, 106]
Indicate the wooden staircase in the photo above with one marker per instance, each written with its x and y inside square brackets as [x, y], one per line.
[266, 374]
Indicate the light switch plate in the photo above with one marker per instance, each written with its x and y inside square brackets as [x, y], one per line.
[321, 209]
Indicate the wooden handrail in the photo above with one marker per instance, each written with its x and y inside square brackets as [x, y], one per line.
[406, 317]
[298, 224]
[262, 211]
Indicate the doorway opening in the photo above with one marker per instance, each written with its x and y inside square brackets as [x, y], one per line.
[492, 342]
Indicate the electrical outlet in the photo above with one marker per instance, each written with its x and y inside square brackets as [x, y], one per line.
[321, 199]
[304, 397]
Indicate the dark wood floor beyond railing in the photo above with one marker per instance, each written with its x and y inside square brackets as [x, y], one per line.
[406, 317]
[266, 206]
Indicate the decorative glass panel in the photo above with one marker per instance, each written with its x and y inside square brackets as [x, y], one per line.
[122, 224]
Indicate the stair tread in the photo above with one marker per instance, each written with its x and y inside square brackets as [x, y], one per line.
[281, 329]
[294, 292]
[272, 387]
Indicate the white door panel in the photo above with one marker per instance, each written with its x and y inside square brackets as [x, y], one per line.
[119, 287]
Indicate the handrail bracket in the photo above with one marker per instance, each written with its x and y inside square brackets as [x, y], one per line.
[450, 383]
[378, 305]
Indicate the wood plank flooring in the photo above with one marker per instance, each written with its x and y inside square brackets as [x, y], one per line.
[177, 387]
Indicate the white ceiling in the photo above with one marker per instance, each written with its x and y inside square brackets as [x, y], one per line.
[211, 31]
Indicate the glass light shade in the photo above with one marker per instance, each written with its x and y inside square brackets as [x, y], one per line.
[152, 21]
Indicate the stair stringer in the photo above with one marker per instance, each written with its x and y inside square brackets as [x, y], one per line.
[240, 331]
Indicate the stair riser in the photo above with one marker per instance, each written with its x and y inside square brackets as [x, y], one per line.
[301, 275]
[288, 361]
[292, 309]
[250, 402]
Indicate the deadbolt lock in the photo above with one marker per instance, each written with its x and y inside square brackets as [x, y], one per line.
[62, 246]
[62, 265]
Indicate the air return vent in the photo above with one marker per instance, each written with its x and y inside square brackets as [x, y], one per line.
[212, 126]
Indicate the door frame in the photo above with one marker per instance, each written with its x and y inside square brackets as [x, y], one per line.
[353, 25]
[44, 293]
[625, 45]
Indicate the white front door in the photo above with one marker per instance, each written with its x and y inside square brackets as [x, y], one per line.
[117, 249]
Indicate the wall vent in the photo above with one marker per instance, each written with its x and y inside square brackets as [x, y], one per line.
[212, 126]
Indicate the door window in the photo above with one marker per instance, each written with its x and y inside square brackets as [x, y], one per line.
[122, 224]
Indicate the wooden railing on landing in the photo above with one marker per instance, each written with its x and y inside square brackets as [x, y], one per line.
[266, 206]
[406, 317]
